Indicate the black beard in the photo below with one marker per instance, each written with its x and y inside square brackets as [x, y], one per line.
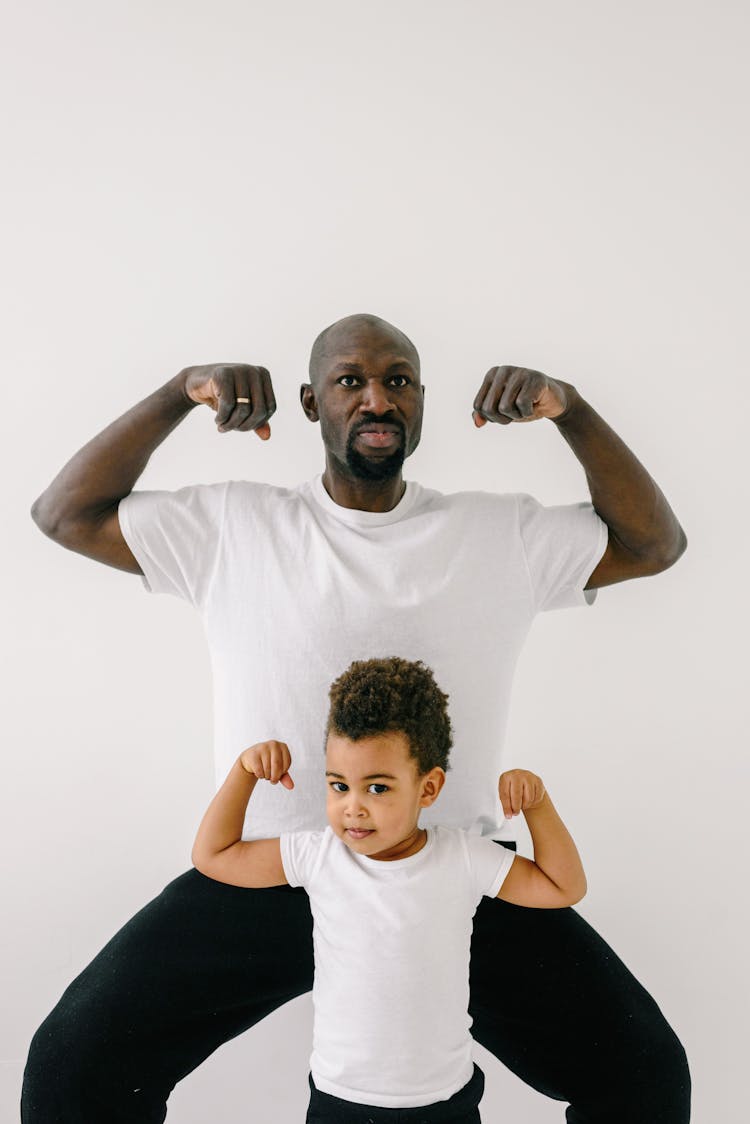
[385, 468]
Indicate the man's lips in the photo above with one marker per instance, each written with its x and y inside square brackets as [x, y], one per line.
[378, 435]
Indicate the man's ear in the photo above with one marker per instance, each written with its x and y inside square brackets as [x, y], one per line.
[432, 783]
[309, 402]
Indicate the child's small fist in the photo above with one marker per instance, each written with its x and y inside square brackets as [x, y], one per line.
[268, 761]
[519, 791]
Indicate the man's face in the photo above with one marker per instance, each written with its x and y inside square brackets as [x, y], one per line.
[368, 396]
[375, 792]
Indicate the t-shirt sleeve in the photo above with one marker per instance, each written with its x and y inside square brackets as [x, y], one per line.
[563, 546]
[300, 855]
[489, 863]
[175, 537]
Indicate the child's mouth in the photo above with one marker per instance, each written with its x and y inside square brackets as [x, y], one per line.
[358, 833]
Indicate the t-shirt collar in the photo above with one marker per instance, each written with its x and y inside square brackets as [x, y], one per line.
[356, 518]
[397, 864]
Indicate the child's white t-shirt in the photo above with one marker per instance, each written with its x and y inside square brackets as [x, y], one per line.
[292, 587]
[392, 944]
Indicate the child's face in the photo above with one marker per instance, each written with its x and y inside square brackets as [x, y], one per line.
[375, 794]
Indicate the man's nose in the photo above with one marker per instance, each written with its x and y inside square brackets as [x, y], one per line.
[375, 399]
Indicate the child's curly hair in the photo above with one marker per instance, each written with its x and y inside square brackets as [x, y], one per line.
[393, 695]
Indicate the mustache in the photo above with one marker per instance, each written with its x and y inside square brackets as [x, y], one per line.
[373, 419]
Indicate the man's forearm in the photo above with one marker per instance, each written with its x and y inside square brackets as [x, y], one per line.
[643, 528]
[105, 470]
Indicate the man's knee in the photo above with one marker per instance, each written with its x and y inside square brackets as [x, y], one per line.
[662, 1082]
[55, 1069]
[650, 1083]
[71, 1070]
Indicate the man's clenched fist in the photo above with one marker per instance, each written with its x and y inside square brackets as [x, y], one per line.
[518, 394]
[241, 395]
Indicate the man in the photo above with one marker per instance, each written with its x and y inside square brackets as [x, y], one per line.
[294, 584]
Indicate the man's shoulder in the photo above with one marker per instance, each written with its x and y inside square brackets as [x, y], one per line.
[215, 492]
[270, 499]
[260, 488]
[470, 501]
[213, 499]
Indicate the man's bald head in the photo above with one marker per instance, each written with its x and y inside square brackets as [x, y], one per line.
[344, 335]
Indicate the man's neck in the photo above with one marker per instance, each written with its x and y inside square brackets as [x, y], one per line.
[363, 495]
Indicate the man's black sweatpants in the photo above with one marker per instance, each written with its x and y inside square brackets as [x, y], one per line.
[204, 961]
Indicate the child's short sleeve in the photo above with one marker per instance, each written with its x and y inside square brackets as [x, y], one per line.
[301, 852]
[489, 863]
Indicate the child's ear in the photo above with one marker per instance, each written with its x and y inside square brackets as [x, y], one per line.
[432, 782]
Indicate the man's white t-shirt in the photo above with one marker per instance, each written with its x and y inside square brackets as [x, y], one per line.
[292, 588]
[392, 943]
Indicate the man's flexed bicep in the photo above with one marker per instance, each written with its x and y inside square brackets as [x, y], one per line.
[102, 539]
[79, 509]
[644, 534]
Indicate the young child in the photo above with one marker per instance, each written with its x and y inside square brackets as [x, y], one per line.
[392, 903]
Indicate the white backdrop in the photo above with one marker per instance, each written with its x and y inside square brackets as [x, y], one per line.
[554, 185]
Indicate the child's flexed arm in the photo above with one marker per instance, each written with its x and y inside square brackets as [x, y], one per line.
[218, 851]
[555, 878]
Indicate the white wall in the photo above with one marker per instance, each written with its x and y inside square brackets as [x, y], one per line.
[554, 185]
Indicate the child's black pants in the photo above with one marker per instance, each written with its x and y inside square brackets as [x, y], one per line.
[461, 1108]
[204, 961]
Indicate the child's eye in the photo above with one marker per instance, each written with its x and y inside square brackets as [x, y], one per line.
[339, 786]
[378, 789]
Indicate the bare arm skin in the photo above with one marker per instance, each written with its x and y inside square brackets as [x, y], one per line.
[644, 534]
[219, 851]
[556, 877]
[79, 508]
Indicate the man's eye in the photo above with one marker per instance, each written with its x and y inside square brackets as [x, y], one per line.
[400, 380]
[378, 789]
[339, 786]
[348, 380]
